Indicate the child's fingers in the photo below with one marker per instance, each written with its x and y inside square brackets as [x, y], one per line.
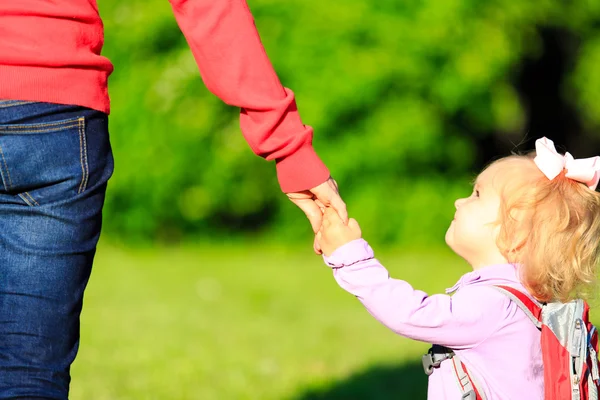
[326, 219]
[332, 216]
[353, 225]
[317, 244]
[329, 211]
[321, 205]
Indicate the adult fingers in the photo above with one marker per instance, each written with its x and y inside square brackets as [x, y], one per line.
[317, 244]
[312, 211]
[327, 194]
[353, 225]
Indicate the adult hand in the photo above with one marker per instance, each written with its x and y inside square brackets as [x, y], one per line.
[334, 233]
[314, 201]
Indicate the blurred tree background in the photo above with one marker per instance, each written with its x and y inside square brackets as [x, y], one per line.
[408, 99]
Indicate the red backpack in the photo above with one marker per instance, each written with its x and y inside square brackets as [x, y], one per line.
[569, 350]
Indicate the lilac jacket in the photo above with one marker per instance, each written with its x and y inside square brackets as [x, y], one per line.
[496, 341]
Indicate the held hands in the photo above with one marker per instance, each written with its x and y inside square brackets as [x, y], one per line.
[313, 201]
[328, 216]
[334, 233]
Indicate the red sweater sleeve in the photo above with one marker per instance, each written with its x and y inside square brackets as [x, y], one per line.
[235, 67]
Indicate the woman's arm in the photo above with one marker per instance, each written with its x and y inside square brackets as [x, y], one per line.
[235, 67]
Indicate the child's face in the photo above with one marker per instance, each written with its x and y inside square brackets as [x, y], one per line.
[473, 232]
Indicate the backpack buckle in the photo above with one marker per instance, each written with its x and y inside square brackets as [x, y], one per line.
[428, 363]
[434, 358]
[470, 395]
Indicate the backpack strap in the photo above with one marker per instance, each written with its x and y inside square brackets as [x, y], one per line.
[470, 388]
[595, 375]
[532, 308]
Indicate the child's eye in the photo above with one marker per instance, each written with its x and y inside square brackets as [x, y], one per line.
[477, 193]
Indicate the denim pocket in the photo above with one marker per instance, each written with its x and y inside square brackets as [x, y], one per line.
[14, 103]
[44, 162]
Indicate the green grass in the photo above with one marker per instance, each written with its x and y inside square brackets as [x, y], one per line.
[243, 322]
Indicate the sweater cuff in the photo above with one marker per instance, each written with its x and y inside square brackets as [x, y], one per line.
[302, 170]
[351, 253]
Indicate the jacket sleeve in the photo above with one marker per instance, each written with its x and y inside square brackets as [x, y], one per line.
[460, 321]
[234, 66]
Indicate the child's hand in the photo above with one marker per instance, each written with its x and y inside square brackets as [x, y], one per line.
[334, 233]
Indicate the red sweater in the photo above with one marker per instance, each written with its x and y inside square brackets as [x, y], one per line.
[50, 51]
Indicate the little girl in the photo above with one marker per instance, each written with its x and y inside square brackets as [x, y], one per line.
[531, 223]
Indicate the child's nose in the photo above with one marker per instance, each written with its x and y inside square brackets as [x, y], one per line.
[458, 202]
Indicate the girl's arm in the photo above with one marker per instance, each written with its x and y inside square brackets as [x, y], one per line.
[463, 320]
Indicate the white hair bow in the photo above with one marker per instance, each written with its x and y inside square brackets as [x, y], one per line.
[551, 163]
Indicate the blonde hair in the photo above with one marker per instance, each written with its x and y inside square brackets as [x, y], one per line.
[550, 227]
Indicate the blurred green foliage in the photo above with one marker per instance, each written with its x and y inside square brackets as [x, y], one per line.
[398, 91]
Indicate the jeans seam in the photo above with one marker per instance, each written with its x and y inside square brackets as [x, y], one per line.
[2, 176]
[46, 124]
[15, 103]
[83, 156]
[31, 198]
[7, 171]
[25, 200]
[15, 130]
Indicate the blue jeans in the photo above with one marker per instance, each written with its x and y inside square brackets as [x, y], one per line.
[55, 161]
